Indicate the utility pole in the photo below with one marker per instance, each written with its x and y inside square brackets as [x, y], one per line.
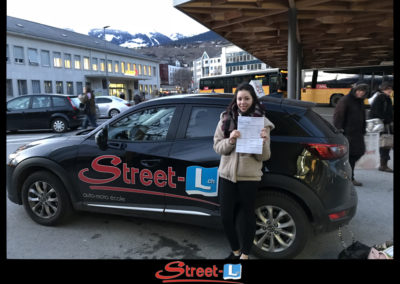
[106, 65]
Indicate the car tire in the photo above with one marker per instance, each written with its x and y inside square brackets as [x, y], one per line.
[45, 199]
[282, 227]
[113, 112]
[59, 125]
[335, 99]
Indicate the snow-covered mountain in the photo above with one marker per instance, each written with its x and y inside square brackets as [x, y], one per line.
[148, 39]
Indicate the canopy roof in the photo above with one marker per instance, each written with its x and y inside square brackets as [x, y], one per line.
[331, 33]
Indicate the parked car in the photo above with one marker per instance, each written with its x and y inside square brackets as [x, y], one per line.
[157, 160]
[44, 111]
[110, 106]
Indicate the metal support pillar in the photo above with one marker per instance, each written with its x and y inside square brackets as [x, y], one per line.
[292, 55]
[299, 66]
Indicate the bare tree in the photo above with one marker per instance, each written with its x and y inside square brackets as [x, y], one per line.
[183, 78]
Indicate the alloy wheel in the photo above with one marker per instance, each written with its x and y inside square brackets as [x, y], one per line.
[43, 199]
[275, 229]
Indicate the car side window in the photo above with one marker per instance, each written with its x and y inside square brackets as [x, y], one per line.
[146, 125]
[203, 121]
[102, 100]
[40, 102]
[18, 104]
[57, 102]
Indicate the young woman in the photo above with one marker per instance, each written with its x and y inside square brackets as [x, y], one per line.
[239, 173]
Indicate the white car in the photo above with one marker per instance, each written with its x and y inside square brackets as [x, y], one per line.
[109, 106]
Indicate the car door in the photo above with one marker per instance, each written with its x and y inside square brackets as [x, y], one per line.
[16, 110]
[39, 114]
[133, 173]
[103, 104]
[195, 163]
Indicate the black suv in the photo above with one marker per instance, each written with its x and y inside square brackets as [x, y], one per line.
[56, 112]
[157, 160]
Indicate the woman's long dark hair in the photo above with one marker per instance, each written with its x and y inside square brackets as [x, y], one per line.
[246, 87]
[232, 111]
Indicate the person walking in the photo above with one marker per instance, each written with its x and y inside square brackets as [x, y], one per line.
[239, 173]
[349, 117]
[381, 107]
[87, 98]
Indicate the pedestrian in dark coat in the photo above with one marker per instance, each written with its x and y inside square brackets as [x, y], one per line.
[349, 117]
[381, 107]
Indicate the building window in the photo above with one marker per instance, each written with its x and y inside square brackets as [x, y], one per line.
[116, 64]
[86, 63]
[140, 69]
[109, 65]
[19, 54]
[45, 58]
[144, 70]
[35, 86]
[94, 64]
[70, 88]
[9, 88]
[67, 60]
[48, 87]
[154, 71]
[57, 59]
[122, 67]
[102, 65]
[7, 54]
[79, 87]
[33, 56]
[59, 87]
[22, 87]
[77, 61]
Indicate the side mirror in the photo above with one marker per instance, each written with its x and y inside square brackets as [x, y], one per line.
[102, 138]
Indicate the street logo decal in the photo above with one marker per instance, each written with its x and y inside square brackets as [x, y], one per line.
[203, 181]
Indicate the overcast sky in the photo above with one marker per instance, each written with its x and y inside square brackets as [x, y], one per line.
[132, 16]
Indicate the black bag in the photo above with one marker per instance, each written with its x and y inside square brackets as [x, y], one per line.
[356, 250]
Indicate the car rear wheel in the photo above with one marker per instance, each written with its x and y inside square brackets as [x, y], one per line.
[113, 112]
[282, 227]
[59, 125]
[45, 199]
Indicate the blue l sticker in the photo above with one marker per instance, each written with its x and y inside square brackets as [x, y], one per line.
[232, 271]
[203, 181]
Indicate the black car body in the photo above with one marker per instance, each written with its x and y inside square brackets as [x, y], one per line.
[44, 111]
[157, 160]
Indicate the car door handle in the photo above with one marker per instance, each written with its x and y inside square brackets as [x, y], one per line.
[150, 163]
[117, 145]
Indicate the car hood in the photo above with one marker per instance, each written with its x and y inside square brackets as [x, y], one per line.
[47, 147]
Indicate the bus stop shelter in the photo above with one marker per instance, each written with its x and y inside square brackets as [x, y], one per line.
[301, 34]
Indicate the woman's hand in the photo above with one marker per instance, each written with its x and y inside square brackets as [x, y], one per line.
[264, 135]
[234, 135]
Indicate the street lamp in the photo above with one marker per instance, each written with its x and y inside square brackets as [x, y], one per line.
[106, 63]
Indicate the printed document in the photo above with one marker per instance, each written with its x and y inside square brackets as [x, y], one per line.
[250, 141]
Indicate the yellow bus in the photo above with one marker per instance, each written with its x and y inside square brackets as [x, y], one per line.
[272, 79]
[327, 86]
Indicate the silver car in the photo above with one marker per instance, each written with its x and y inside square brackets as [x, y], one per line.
[109, 106]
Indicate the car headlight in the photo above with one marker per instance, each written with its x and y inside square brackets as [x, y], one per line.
[12, 157]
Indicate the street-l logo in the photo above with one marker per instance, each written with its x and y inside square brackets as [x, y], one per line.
[203, 181]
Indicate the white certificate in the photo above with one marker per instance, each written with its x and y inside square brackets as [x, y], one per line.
[250, 141]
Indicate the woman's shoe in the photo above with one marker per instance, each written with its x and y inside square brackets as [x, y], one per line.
[233, 256]
[356, 183]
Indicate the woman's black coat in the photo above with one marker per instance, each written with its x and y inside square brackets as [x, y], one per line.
[349, 116]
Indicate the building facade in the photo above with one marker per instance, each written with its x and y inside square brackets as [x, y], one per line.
[44, 59]
[232, 59]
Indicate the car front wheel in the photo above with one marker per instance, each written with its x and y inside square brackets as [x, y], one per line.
[282, 227]
[45, 199]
